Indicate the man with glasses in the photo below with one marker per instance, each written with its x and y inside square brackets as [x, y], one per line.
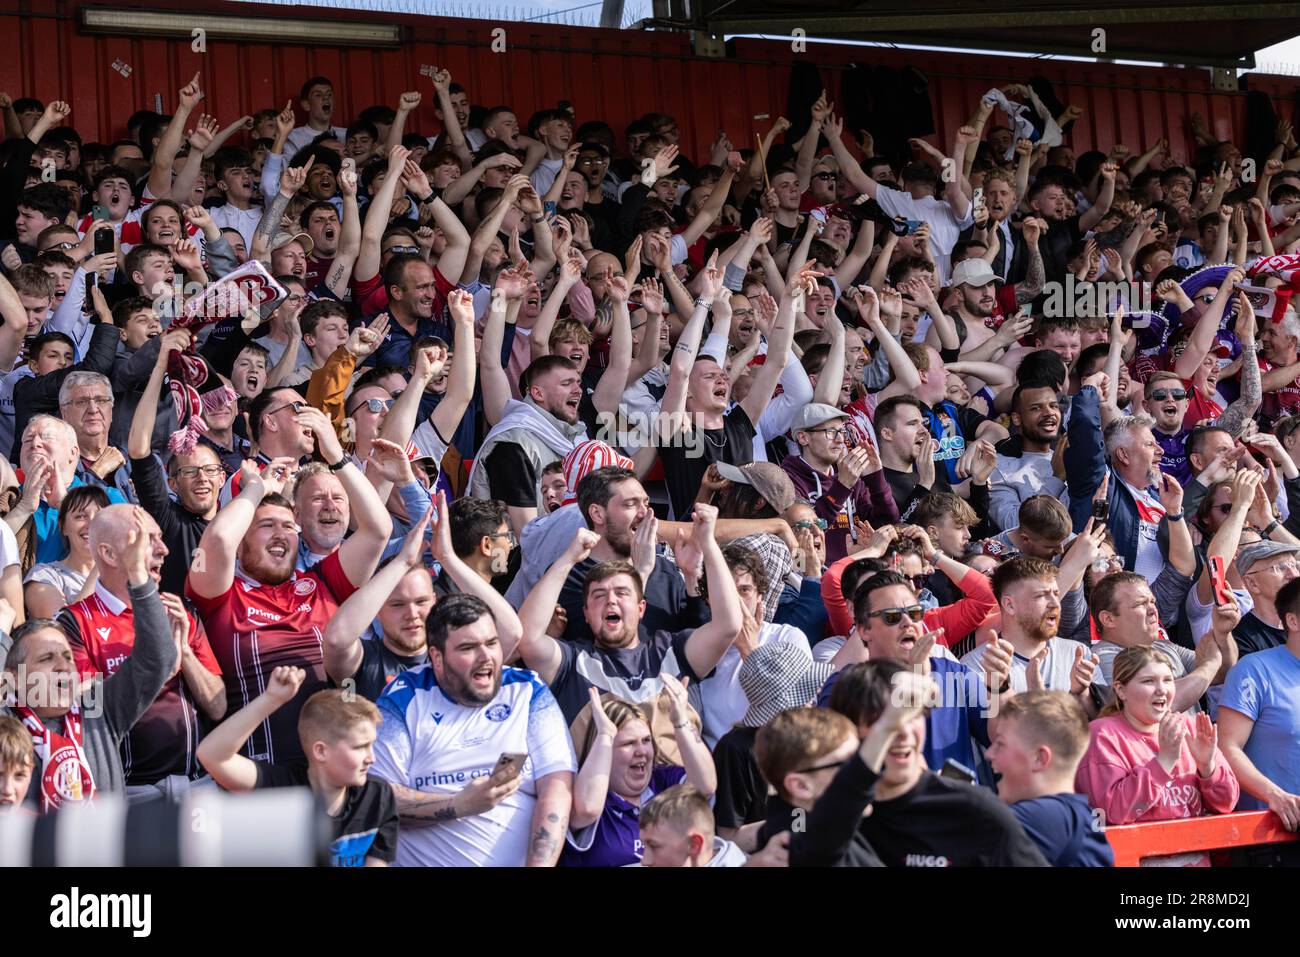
[482, 541]
[260, 611]
[274, 427]
[1265, 567]
[86, 403]
[843, 484]
[1166, 402]
[891, 624]
[194, 478]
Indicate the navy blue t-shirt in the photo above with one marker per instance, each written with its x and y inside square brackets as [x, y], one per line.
[1065, 830]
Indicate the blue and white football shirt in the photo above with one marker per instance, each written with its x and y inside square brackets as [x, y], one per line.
[430, 743]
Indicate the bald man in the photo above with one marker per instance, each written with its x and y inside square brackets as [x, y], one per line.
[158, 756]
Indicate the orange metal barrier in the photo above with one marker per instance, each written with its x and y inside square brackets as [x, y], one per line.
[1133, 842]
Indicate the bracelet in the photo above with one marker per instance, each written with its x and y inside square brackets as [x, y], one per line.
[424, 201]
[1270, 528]
[683, 726]
[1174, 516]
[338, 466]
[537, 219]
[701, 301]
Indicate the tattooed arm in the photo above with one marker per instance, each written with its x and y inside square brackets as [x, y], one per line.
[291, 180]
[550, 819]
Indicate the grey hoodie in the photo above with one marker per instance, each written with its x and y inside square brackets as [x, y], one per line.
[113, 704]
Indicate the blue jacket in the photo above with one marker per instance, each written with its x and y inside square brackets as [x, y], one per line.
[1086, 466]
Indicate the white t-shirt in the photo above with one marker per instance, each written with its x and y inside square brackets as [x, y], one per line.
[1056, 671]
[1149, 563]
[232, 217]
[724, 701]
[430, 743]
[303, 135]
[8, 547]
[945, 227]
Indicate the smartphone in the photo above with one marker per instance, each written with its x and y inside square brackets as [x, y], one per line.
[1219, 579]
[913, 225]
[956, 771]
[103, 240]
[978, 196]
[1101, 510]
[99, 212]
[509, 766]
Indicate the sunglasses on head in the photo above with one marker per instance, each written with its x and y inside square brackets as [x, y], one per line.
[1161, 394]
[892, 616]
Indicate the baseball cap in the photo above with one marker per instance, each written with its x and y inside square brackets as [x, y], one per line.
[1258, 552]
[769, 480]
[816, 413]
[973, 272]
[778, 676]
[284, 238]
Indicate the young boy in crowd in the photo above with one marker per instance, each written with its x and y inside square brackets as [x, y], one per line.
[17, 761]
[1039, 738]
[337, 732]
[677, 831]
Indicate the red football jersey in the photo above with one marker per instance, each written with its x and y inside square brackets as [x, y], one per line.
[255, 628]
[101, 631]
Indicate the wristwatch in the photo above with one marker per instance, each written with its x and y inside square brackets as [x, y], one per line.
[338, 466]
[1174, 516]
[425, 200]
[1268, 529]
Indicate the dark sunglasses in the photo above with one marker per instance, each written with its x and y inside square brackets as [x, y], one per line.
[828, 177]
[892, 616]
[1161, 394]
[820, 767]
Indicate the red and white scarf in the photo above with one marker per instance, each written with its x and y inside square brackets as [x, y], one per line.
[65, 772]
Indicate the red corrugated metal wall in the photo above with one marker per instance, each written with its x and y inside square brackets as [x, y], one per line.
[614, 75]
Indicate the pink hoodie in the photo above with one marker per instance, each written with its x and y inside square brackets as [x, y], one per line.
[1120, 774]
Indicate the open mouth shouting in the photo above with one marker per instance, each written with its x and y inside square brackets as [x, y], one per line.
[483, 676]
[278, 548]
[329, 234]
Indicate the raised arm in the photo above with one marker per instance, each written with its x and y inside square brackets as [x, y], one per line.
[827, 390]
[506, 297]
[460, 380]
[291, 181]
[350, 241]
[713, 205]
[570, 274]
[708, 643]
[489, 228]
[541, 652]
[407, 104]
[612, 382]
[450, 122]
[214, 575]
[169, 143]
[139, 442]
[808, 145]
[377, 213]
[1104, 198]
[219, 750]
[778, 350]
[14, 328]
[1207, 327]
[360, 551]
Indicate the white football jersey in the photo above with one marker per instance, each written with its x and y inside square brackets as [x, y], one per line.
[430, 743]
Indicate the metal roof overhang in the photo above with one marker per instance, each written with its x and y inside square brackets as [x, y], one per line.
[1164, 31]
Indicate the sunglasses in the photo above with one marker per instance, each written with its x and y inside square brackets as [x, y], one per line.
[820, 767]
[809, 523]
[1161, 394]
[296, 406]
[374, 405]
[412, 250]
[892, 616]
[825, 177]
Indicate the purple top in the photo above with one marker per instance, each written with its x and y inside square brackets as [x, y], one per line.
[614, 840]
[1175, 460]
